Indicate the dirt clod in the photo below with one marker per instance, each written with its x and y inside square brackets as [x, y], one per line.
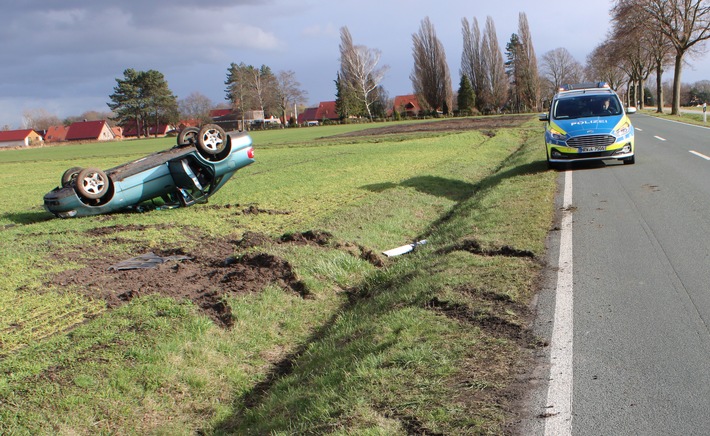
[213, 274]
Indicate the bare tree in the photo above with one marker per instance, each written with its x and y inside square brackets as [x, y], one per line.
[195, 106]
[528, 79]
[39, 119]
[686, 23]
[430, 78]
[359, 69]
[263, 84]
[471, 60]
[92, 115]
[604, 66]
[288, 92]
[660, 51]
[559, 67]
[631, 28]
[522, 69]
[641, 47]
[239, 91]
[497, 92]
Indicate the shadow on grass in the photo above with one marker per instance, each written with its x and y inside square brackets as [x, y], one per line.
[260, 392]
[290, 387]
[457, 190]
[488, 183]
[454, 190]
[28, 217]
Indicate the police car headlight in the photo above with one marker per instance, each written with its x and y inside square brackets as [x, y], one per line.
[557, 136]
[623, 130]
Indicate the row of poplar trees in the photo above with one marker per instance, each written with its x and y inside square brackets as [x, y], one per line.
[488, 84]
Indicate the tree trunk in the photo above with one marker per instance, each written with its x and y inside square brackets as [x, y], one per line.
[659, 87]
[676, 83]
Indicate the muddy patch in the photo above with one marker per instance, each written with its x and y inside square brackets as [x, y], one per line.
[496, 314]
[205, 280]
[206, 274]
[251, 209]
[308, 237]
[486, 124]
[474, 247]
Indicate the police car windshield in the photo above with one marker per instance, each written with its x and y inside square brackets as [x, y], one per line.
[582, 106]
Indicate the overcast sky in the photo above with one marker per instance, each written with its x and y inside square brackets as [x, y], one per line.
[64, 56]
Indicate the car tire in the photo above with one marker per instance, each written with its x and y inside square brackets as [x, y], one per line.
[188, 136]
[212, 139]
[630, 160]
[70, 175]
[92, 183]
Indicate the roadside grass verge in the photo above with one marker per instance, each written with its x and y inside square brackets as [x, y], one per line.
[423, 343]
[690, 117]
[433, 343]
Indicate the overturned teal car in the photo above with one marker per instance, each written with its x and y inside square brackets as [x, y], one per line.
[193, 170]
[587, 122]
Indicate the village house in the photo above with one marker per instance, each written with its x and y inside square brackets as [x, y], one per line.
[159, 131]
[312, 116]
[19, 138]
[231, 120]
[407, 105]
[90, 131]
[56, 134]
[117, 132]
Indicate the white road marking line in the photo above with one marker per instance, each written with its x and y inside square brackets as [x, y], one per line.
[559, 392]
[636, 128]
[659, 138]
[700, 154]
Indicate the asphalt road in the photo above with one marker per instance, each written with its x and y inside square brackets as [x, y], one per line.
[639, 346]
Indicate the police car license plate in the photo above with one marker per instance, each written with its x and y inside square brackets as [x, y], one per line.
[593, 149]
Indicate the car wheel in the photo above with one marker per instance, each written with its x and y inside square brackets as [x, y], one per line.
[212, 139]
[70, 175]
[187, 136]
[92, 183]
[630, 160]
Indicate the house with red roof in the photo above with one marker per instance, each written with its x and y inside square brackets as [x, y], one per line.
[407, 105]
[117, 132]
[314, 115]
[90, 131]
[19, 138]
[216, 113]
[56, 134]
[161, 130]
[309, 116]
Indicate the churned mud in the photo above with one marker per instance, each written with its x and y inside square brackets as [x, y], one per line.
[204, 274]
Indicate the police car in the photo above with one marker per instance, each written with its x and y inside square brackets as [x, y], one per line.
[587, 122]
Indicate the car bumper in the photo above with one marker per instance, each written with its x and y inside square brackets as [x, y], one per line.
[559, 154]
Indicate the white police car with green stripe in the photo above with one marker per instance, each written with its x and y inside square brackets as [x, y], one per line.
[587, 122]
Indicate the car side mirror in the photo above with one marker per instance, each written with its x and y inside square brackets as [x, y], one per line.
[544, 117]
[631, 110]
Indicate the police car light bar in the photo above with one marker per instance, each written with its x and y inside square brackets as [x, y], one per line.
[585, 85]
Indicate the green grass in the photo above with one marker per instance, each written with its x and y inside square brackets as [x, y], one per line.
[403, 348]
[695, 117]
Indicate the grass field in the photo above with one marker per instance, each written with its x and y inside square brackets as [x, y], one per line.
[345, 341]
